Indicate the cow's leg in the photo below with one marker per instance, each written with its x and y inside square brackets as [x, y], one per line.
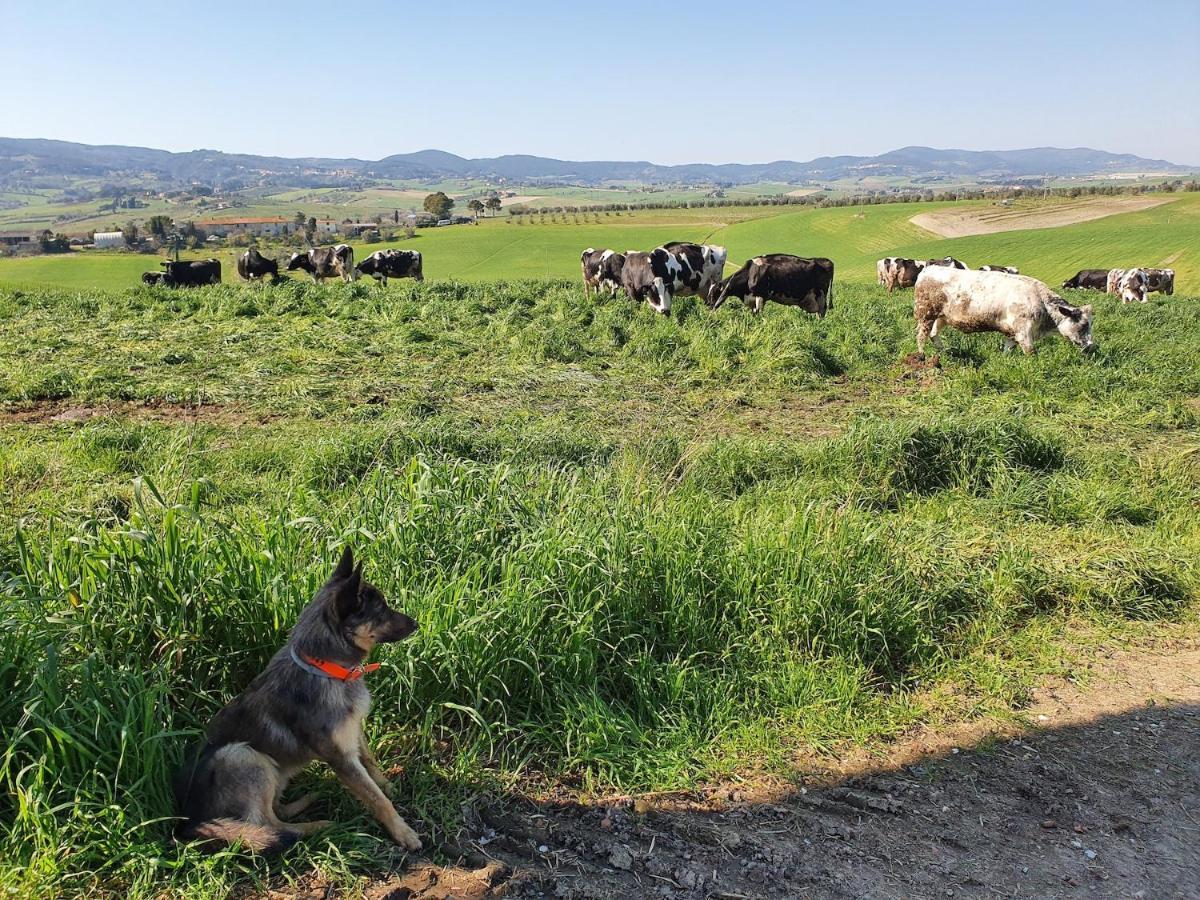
[924, 326]
[757, 303]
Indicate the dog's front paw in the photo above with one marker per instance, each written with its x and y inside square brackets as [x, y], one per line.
[406, 838]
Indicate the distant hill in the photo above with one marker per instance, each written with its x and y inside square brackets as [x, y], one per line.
[25, 159]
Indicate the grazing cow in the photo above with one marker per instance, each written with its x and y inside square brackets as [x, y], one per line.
[153, 278]
[948, 261]
[1161, 280]
[326, 262]
[1089, 279]
[1008, 270]
[191, 273]
[601, 269]
[655, 277]
[384, 264]
[897, 271]
[1019, 307]
[1130, 284]
[707, 264]
[252, 264]
[780, 278]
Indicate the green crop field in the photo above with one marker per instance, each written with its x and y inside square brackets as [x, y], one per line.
[853, 237]
[644, 552]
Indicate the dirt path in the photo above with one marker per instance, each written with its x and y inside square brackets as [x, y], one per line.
[1097, 794]
[953, 223]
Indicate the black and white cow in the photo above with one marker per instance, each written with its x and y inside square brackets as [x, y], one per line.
[1130, 284]
[948, 261]
[897, 271]
[1089, 279]
[326, 262]
[780, 278]
[384, 264]
[153, 278]
[707, 262]
[252, 265]
[1020, 308]
[1008, 270]
[1161, 280]
[601, 269]
[191, 273]
[655, 277]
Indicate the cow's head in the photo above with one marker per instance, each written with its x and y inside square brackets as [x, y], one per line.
[297, 261]
[1076, 326]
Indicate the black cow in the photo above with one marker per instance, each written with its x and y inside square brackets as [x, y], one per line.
[191, 273]
[780, 278]
[1090, 279]
[949, 261]
[384, 264]
[252, 264]
[655, 277]
[601, 269]
[153, 278]
[1008, 270]
[326, 262]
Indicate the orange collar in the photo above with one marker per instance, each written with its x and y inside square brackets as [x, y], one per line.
[332, 669]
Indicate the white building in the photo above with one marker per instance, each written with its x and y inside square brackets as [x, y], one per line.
[106, 240]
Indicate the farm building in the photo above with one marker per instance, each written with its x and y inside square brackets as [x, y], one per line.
[106, 240]
[267, 225]
[17, 239]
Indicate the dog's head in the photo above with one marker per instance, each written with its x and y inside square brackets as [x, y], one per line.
[358, 609]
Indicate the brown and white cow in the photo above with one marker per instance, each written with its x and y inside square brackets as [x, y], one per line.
[780, 278]
[1008, 270]
[1161, 280]
[706, 261]
[326, 262]
[1129, 284]
[1019, 307]
[601, 269]
[898, 271]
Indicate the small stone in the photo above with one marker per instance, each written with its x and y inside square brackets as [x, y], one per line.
[542, 848]
[1090, 854]
[606, 823]
[1049, 824]
[620, 858]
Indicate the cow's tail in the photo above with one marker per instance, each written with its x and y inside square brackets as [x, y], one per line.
[259, 838]
[829, 298]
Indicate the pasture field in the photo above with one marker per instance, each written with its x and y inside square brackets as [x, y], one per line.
[643, 552]
[854, 237]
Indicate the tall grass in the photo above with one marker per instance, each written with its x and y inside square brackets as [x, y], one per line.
[619, 582]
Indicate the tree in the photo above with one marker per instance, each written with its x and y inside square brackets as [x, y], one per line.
[310, 229]
[298, 219]
[475, 207]
[438, 205]
[493, 203]
[131, 233]
[159, 226]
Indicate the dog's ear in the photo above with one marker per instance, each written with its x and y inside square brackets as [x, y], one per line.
[345, 566]
[347, 591]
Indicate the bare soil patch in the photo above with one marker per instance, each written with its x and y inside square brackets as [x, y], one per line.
[953, 223]
[1094, 793]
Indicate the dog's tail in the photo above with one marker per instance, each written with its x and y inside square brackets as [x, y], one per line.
[259, 838]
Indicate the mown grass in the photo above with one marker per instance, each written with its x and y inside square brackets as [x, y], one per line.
[854, 237]
[642, 551]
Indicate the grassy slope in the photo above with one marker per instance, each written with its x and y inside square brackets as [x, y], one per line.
[641, 550]
[853, 237]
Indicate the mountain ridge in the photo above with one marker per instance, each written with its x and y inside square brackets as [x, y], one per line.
[40, 157]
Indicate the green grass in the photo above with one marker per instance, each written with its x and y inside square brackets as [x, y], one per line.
[642, 551]
[853, 237]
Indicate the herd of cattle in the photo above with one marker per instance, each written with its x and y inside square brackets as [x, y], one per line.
[946, 292]
[320, 263]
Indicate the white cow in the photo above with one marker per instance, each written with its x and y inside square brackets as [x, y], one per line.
[1021, 308]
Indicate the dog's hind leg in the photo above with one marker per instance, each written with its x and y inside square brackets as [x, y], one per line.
[353, 774]
[287, 810]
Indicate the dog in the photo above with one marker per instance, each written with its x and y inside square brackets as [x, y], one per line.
[309, 703]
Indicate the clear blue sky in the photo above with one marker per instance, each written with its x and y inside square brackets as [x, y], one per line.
[681, 82]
